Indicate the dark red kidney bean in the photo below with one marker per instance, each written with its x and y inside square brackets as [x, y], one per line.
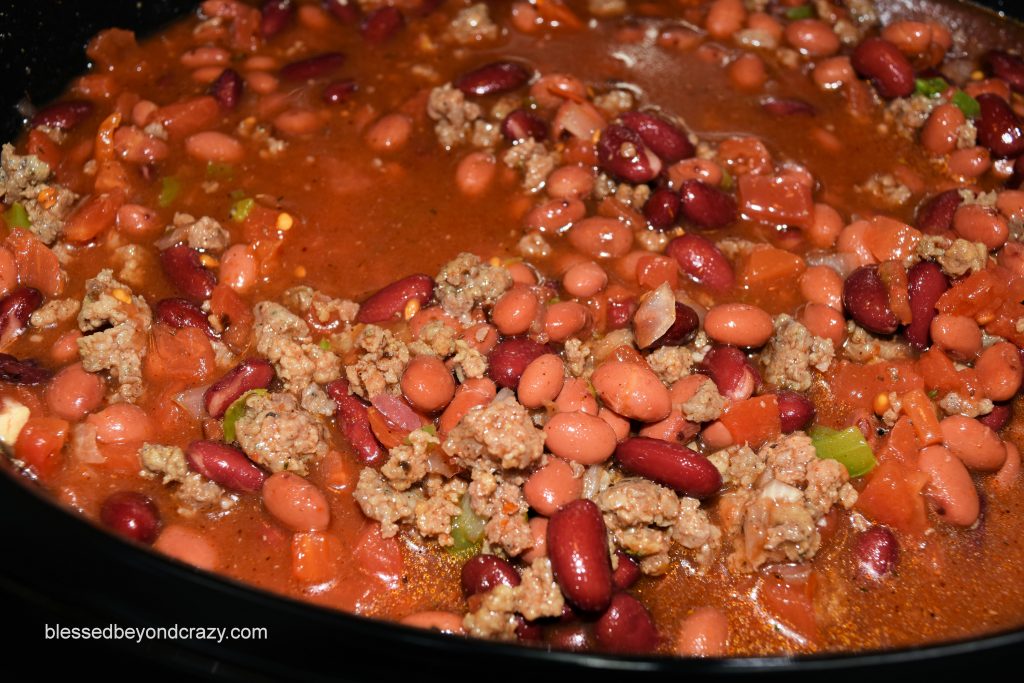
[15, 309]
[866, 300]
[509, 359]
[882, 62]
[493, 78]
[925, 284]
[338, 92]
[345, 11]
[225, 465]
[575, 637]
[275, 16]
[392, 299]
[528, 631]
[521, 124]
[354, 423]
[620, 312]
[699, 258]
[796, 411]
[313, 67]
[998, 418]
[16, 371]
[481, 573]
[661, 137]
[999, 129]
[669, 464]
[788, 107]
[181, 313]
[1008, 67]
[1017, 177]
[64, 115]
[131, 514]
[182, 266]
[382, 24]
[705, 205]
[622, 153]
[578, 550]
[626, 627]
[876, 551]
[252, 373]
[731, 371]
[227, 89]
[683, 329]
[627, 571]
[662, 208]
[935, 217]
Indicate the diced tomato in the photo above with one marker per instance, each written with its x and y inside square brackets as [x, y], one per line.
[889, 239]
[314, 557]
[1005, 322]
[378, 556]
[767, 267]
[654, 270]
[857, 385]
[237, 316]
[900, 444]
[92, 217]
[389, 435]
[555, 11]
[37, 265]
[940, 375]
[184, 355]
[40, 444]
[792, 603]
[978, 295]
[753, 421]
[893, 497]
[776, 200]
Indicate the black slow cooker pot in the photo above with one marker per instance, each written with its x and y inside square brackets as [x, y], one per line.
[58, 570]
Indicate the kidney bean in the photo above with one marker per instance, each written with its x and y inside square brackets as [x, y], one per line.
[354, 422]
[866, 300]
[14, 371]
[1007, 67]
[935, 216]
[578, 550]
[976, 223]
[662, 137]
[796, 411]
[253, 373]
[312, 68]
[958, 335]
[940, 131]
[998, 418]
[999, 129]
[338, 92]
[74, 393]
[883, 63]
[705, 633]
[662, 208]
[581, 437]
[493, 78]
[227, 89]
[572, 637]
[706, 206]
[925, 284]
[188, 546]
[509, 360]
[382, 24]
[15, 310]
[345, 11]
[481, 573]
[181, 313]
[699, 258]
[626, 627]
[627, 571]
[1000, 371]
[950, 487]
[632, 390]
[65, 115]
[392, 299]
[812, 37]
[564, 319]
[620, 312]
[521, 124]
[275, 16]
[670, 464]
[622, 153]
[1009, 473]
[182, 266]
[225, 465]
[552, 486]
[541, 381]
[738, 325]
[601, 237]
[132, 515]
[876, 551]
[428, 384]
[684, 329]
[976, 445]
[731, 372]
[788, 107]
[295, 502]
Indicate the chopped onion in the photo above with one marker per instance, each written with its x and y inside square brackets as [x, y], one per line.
[579, 119]
[397, 412]
[84, 446]
[191, 400]
[655, 316]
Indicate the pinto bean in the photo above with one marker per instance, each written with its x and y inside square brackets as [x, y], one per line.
[833, 73]
[971, 162]
[584, 279]
[188, 546]
[214, 146]
[950, 487]
[699, 258]
[226, 465]
[705, 633]
[578, 549]
[515, 311]
[822, 285]
[539, 534]
[626, 627]
[601, 237]
[552, 486]
[570, 182]
[1007, 476]
[542, 381]
[74, 393]
[619, 424]
[812, 37]
[977, 223]
[555, 215]
[564, 319]
[434, 620]
[738, 325]
[578, 436]
[940, 131]
[632, 390]
[475, 173]
[725, 17]
[132, 515]
[747, 72]
[253, 373]
[972, 442]
[510, 358]
[823, 321]
[958, 335]
[295, 502]
[1000, 371]
[481, 573]
[670, 464]
[428, 384]
[866, 300]
[826, 225]
[389, 133]
[885, 65]
[138, 221]
[121, 423]
[391, 301]
[576, 396]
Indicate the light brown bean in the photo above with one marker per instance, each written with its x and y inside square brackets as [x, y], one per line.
[823, 321]
[428, 384]
[469, 395]
[705, 633]
[674, 428]
[522, 274]
[940, 131]
[632, 390]
[552, 90]
[619, 424]
[852, 241]
[576, 396]
[554, 215]
[822, 285]
[747, 72]
[738, 325]
[977, 223]
[475, 173]
[214, 146]
[539, 534]
[570, 182]
[298, 122]
[1011, 204]
[434, 620]
[812, 37]
[261, 83]
[725, 17]
[694, 169]
[238, 268]
[74, 393]
[121, 423]
[515, 310]
[1008, 475]
[295, 502]
[833, 73]
[552, 486]
[564, 319]
[584, 280]
[826, 224]
[136, 220]
[482, 337]
[584, 438]
[600, 237]
[389, 133]
[716, 436]
[188, 546]
[975, 444]
[65, 349]
[971, 162]
[958, 335]
[542, 381]
[950, 487]
[205, 56]
[1000, 371]
[911, 37]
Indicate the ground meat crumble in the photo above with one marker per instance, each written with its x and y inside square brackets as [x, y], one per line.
[381, 363]
[279, 435]
[465, 283]
[193, 490]
[23, 179]
[536, 596]
[792, 353]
